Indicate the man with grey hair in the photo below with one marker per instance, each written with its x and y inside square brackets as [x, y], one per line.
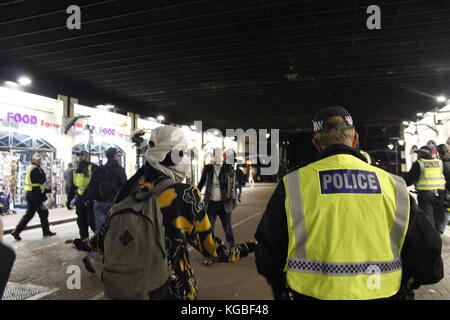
[340, 228]
[35, 179]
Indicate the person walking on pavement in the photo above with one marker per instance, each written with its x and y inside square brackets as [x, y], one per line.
[35, 179]
[220, 194]
[68, 178]
[431, 179]
[240, 182]
[340, 228]
[84, 207]
[105, 184]
[185, 221]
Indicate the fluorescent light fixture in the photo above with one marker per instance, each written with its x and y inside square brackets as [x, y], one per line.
[406, 123]
[401, 142]
[24, 81]
[109, 106]
[160, 118]
[390, 146]
[11, 84]
[420, 114]
[441, 99]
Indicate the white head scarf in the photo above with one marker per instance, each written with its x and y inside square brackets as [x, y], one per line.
[167, 139]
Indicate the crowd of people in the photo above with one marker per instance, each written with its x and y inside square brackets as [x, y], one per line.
[312, 240]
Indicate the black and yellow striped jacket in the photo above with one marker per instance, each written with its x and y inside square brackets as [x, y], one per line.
[185, 222]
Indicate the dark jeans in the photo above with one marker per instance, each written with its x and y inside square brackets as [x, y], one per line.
[434, 208]
[239, 191]
[215, 208]
[32, 208]
[85, 217]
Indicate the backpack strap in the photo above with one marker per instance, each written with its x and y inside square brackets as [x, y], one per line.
[161, 186]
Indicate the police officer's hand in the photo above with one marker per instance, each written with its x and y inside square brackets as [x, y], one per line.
[81, 245]
[68, 205]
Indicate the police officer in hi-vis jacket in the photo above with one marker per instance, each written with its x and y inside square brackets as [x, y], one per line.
[35, 195]
[340, 228]
[430, 178]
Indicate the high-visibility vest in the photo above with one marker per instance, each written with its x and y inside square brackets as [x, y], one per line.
[81, 181]
[367, 156]
[431, 175]
[347, 222]
[28, 186]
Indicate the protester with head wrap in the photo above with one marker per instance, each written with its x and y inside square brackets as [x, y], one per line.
[184, 218]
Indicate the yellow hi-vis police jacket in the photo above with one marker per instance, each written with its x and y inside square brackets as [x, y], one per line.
[431, 175]
[81, 181]
[28, 186]
[347, 222]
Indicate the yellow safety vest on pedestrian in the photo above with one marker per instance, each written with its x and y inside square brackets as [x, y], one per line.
[28, 186]
[347, 222]
[431, 175]
[81, 181]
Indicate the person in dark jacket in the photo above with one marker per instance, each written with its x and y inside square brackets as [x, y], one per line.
[240, 182]
[432, 202]
[421, 261]
[444, 155]
[184, 218]
[36, 196]
[102, 189]
[220, 194]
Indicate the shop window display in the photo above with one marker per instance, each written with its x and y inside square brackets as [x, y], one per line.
[16, 150]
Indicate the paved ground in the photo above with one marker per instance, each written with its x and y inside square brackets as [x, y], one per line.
[43, 264]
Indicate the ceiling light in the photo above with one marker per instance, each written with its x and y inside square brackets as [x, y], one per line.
[406, 123]
[267, 135]
[193, 127]
[24, 81]
[441, 99]
[390, 146]
[160, 118]
[401, 142]
[420, 114]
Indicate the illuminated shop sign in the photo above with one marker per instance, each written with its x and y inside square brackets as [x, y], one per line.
[18, 119]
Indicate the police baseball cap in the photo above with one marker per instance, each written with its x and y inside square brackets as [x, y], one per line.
[425, 150]
[83, 153]
[111, 152]
[325, 113]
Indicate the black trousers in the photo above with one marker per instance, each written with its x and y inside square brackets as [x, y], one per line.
[215, 208]
[32, 208]
[433, 205]
[85, 216]
[239, 191]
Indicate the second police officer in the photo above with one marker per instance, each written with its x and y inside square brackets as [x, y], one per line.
[430, 178]
[84, 207]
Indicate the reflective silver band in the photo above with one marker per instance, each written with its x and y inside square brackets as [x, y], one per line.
[401, 216]
[298, 218]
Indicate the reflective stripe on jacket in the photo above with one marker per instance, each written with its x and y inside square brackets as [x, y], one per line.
[347, 222]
